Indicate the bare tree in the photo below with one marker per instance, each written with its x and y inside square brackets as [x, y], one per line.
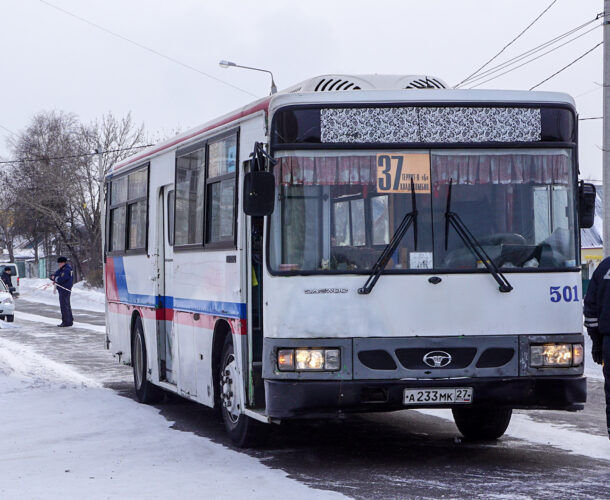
[58, 184]
[117, 139]
[8, 230]
[48, 151]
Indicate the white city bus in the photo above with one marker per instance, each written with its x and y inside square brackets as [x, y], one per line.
[353, 244]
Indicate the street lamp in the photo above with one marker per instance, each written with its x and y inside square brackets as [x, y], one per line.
[230, 64]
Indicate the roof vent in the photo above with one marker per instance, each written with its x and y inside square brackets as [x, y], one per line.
[335, 82]
[328, 84]
[425, 83]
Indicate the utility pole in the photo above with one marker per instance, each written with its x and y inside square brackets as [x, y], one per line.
[102, 205]
[606, 139]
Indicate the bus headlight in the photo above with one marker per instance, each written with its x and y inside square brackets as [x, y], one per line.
[550, 355]
[303, 359]
[578, 354]
[309, 359]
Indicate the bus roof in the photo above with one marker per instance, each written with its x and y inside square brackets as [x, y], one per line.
[370, 89]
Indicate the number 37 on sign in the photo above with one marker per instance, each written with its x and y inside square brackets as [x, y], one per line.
[395, 171]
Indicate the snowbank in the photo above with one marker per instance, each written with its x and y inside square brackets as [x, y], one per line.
[41, 291]
[63, 437]
[23, 368]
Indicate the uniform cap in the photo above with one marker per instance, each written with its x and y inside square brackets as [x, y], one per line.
[61, 259]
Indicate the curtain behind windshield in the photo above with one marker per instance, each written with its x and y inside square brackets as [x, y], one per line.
[463, 168]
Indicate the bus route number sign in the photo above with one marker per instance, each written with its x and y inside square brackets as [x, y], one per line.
[395, 171]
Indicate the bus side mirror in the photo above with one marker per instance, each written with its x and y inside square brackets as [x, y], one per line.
[259, 193]
[586, 205]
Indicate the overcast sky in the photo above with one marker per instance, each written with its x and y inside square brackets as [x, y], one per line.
[50, 60]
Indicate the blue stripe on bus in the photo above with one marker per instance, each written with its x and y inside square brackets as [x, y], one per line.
[211, 307]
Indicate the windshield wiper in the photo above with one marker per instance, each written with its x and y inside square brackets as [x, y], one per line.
[384, 258]
[453, 219]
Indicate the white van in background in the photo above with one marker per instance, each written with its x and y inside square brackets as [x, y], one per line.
[14, 275]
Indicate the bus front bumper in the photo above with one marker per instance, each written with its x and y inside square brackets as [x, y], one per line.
[312, 399]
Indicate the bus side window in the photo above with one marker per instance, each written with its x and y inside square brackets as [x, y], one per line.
[220, 191]
[127, 213]
[137, 207]
[189, 189]
[170, 217]
[116, 215]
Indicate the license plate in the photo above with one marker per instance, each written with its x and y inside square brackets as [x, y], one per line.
[434, 396]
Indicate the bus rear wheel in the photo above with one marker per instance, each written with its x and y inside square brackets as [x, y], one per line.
[243, 431]
[146, 392]
[482, 424]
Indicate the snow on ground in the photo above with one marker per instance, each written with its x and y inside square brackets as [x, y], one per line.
[565, 436]
[53, 321]
[65, 437]
[23, 368]
[41, 291]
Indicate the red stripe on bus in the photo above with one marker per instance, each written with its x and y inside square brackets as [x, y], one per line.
[112, 291]
[207, 321]
[262, 106]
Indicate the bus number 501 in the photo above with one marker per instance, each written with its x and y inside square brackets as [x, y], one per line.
[567, 294]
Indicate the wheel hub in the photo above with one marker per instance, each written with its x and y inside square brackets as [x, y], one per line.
[228, 387]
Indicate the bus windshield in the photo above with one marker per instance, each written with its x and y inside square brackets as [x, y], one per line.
[337, 210]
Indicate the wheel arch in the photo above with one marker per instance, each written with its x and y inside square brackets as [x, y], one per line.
[132, 329]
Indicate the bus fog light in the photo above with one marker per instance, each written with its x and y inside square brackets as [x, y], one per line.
[332, 359]
[285, 360]
[578, 354]
[309, 359]
[551, 355]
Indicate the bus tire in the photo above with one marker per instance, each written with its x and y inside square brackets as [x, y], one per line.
[10, 318]
[482, 424]
[146, 392]
[243, 431]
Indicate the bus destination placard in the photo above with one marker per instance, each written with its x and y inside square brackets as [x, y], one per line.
[395, 171]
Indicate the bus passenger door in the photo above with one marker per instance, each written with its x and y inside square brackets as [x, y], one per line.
[165, 313]
[256, 397]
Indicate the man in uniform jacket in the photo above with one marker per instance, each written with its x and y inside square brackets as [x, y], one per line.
[63, 279]
[597, 321]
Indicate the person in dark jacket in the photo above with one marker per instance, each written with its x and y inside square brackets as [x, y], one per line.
[6, 277]
[63, 280]
[597, 321]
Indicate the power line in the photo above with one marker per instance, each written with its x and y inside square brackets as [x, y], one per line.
[148, 49]
[530, 52]
[589, 91]
[531, 60]
[591, 118]
[8, 130]
[567, 66]
[509, 43]
[67, 157]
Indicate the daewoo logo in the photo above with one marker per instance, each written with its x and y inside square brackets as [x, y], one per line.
[437, 359]
[310, 291]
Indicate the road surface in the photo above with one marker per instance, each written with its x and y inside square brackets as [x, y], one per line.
[405, 454]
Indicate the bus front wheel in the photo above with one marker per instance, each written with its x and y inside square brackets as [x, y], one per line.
[146, 392]
[243, 431]
[482, 424]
